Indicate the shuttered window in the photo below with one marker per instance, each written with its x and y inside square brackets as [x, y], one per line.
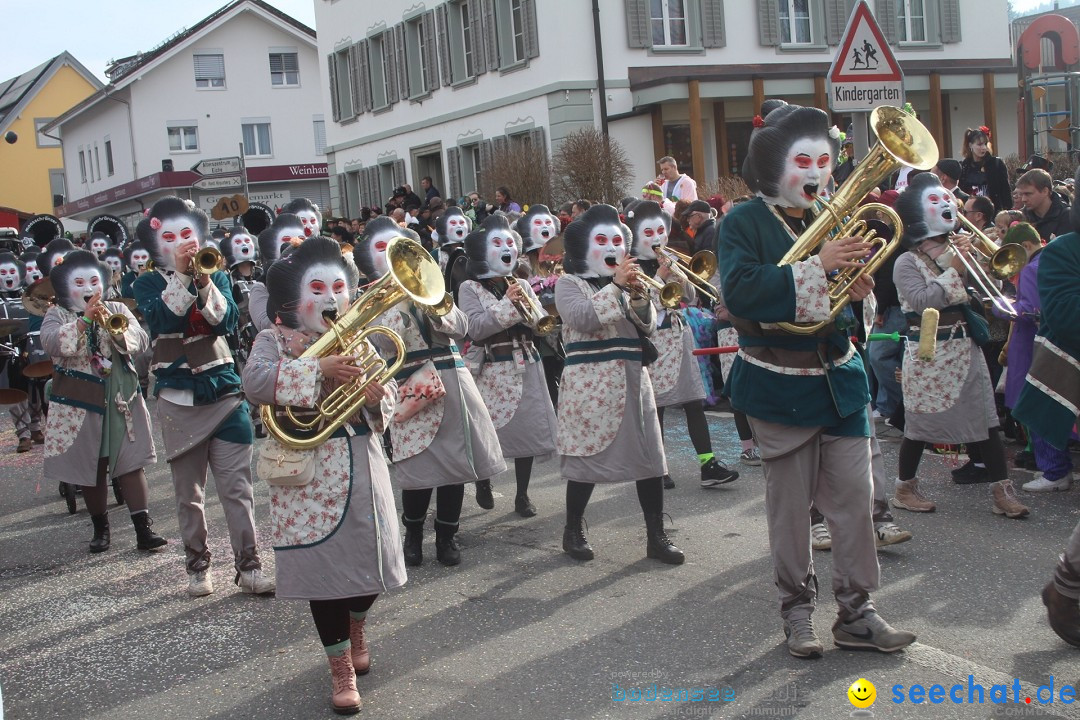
[210, 71]
[675, 25]
[284, 69]
[796, 24]
[511, 31]
[911, 20]
[319, 126]
[667, 22]
[419, 67]
[343, 103]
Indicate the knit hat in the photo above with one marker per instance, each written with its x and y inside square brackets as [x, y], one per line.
[1022, 232]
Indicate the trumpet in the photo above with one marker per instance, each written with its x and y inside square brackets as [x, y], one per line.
[697, 268]
[1003, 261]
[206, 261]
[115, 324]
[413, 275]
[532, 314]
[670, 293]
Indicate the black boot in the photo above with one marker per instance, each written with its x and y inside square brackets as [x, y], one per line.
[524, 507]
[660, 547]
[484, 498]
[669, 484]
[146, 539]
[117, 493]
[101, 540]
[446, 549]
[573, 539]
[414, 541]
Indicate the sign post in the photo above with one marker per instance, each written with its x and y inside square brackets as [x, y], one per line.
[864, 74]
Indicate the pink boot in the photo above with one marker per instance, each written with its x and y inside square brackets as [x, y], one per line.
[361, 658]
[346, 700]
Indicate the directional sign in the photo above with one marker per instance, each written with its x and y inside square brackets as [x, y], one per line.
[217, 166]
[218, 183]
[864, 73]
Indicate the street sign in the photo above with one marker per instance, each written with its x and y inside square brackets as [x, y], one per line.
[217, 166]
[864, 73]
[228, 207]
[217, 183]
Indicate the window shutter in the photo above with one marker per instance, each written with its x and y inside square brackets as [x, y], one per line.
[399, 172]
[950, 21]
[713, 33]
[532, 35]
[637, 23]
[342, 205]
[500, 145]
[885, 14]
[431, 56]
[485, 164]
[453, 171]
[335, 111]
[490, 35]
[319, 128]
[276, 64]
[476, 28]
[442, 27]
[401, 63]
[536, 138]
[363, 64]
[356, 70]
[374, 186]
[391, 63]
[836, 15]
[361, 188]
[768, 23]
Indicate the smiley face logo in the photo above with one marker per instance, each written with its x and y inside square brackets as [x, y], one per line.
[862, 693]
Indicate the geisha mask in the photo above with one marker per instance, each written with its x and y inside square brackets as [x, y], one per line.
[83, 284]
[607, 248]
[807, 169]
[115, 263]
[99, 245]
[501, 255]
[542, 227]
[243, 248]
[309, 222]
[457, 227]
[939, 210]
[651, 232]
[378, 251]
[9, 277]
[139, 258]
[32, 272]
[170, 234]
[324, 295]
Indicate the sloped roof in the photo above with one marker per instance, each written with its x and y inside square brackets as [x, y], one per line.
[16, 92]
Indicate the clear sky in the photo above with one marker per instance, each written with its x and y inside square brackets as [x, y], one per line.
[95, 31]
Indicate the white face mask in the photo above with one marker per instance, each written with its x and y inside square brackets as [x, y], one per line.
[9, 277]
[323, 289]
[173, 233]
[653, 232]
[139, 258]
[541, 229]
[243, 247]
[32, 272]
[502, 254]
[84, 284]
[939, 209]
[309, 222]
[115, 264]
[98, 246]
[607, 248]
[807, 169]
[287, 235]
[457, 227]
[378, 251]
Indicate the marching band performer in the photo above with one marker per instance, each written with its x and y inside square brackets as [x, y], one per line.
[806, 397]
[445, 439]
[136, 256]
[608, 431]
[98, 426]
[537, 227]
[503, 314]
[451, 228]
[676, 376]
[239, 254]
[99, 243]
[114, 260]
[25, 415]
[204, 419]
[948, 399]
[347, 551]
[285, 230]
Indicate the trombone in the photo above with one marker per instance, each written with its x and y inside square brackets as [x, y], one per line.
[697, 268]
[1003, 262]
[532, 314]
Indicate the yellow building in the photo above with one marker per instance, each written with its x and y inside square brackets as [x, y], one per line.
[32, 175]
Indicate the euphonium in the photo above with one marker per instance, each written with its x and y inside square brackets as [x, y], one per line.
[413, 275]
[902, 140]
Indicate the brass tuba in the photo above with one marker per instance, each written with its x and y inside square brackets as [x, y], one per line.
[902, 140]
[413, 275]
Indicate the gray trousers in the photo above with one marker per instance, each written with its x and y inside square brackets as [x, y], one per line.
[803, 466]
[231, 465]
[26, 416]
[1067, 573]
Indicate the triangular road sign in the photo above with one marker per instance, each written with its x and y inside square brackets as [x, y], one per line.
[864, 54]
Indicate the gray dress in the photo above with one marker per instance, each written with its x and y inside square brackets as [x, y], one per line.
[336, 537]
[510, 376]
[676, 376]
[636, 452]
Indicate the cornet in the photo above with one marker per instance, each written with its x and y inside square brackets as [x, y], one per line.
[532, 314]
[115, 324]
[206, 261]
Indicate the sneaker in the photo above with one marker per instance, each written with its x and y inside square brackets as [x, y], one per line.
[715, 473]
[1005, 501]
[200, 584]
[750, 457]
[877, 415]
[889, 533]
[802, 641]
[1041, 484]
[820, 539]
[909, 497]
[870, 632]
[969, 473]
[254, 582]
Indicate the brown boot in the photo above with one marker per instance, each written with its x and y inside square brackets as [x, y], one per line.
[346, 699]
[1005, 501]
[361, 657]
[37, 437]
[1063, 612]
[25, 445]
[909, 497]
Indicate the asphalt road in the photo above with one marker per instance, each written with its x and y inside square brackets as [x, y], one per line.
[521, 630]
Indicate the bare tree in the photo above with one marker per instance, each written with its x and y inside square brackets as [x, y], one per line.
[523, 168]
[591, 166]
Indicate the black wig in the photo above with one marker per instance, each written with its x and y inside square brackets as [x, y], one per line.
[476, 244]
[295, 206]
[284, 276]
[784, 124]
[909, 207]
[362, 250]
[61, 274]
[270, 239]
[59, 246]
[576, 236]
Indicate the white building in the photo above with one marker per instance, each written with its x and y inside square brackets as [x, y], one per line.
[247, 74]
[430, 87]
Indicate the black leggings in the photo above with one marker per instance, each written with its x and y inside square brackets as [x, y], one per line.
[332, 616]
[650, 494]
[696, 426]
[522, 472]
[991, 451]
[414, 503]
[742, 425]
